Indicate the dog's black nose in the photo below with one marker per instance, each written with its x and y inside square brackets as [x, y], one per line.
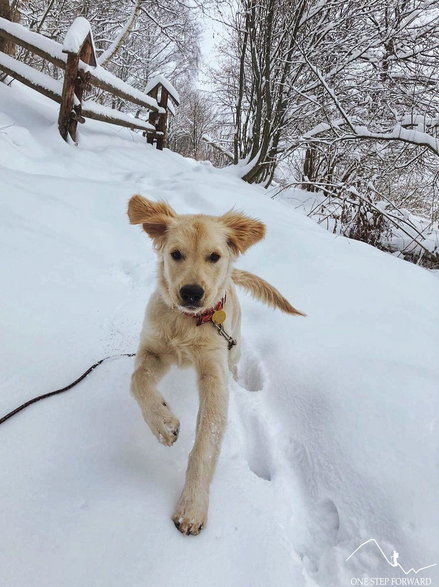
[191, 294]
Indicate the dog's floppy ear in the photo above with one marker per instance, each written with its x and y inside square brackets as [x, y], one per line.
[154, 216]
[243, 231]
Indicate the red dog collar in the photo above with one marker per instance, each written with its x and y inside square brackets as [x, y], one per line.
[206, 316]
[216, 317]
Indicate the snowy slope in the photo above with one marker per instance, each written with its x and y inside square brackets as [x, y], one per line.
[333, 430]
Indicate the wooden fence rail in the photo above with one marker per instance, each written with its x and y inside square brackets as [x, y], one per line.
[77, 57]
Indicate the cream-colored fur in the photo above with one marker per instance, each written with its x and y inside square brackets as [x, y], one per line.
[171, 336]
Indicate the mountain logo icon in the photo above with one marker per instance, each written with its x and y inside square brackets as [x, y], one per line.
[393, 560]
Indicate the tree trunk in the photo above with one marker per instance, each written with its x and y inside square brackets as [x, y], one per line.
[119, 41]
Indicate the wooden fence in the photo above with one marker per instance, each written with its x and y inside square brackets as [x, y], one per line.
[77, 58]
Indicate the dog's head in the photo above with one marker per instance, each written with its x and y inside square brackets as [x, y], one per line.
[196, 251]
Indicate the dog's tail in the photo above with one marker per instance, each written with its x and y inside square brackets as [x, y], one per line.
[263, 291]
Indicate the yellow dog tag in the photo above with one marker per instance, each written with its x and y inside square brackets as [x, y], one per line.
[218, 317]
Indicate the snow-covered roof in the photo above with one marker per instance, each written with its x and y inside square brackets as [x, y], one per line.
[76, 35]
[160, 79]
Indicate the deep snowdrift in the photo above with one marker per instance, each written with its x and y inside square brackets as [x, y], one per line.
[332, 436]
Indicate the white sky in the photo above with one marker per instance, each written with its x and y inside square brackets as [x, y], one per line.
[209, 39]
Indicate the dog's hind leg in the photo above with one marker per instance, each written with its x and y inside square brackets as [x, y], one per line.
[191, 511]
[150, 368]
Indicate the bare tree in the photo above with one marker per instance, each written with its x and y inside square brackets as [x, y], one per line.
[298, 69]
[191, 128]
[337, 97]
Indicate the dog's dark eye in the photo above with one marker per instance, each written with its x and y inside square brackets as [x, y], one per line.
[214, 257]
[176, 255]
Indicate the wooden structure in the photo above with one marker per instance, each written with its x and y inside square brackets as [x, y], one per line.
[77, 58]
[160, 91]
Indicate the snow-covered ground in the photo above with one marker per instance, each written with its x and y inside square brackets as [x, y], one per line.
[333, 430]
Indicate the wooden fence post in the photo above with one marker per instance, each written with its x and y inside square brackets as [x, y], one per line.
[159, 120]
[86, 55]
[75, 83]
[152, 118]
[163, 120]
[67, 99]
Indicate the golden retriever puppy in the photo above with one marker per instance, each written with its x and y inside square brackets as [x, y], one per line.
[193, 318]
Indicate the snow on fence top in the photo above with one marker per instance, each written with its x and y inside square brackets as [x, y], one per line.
[76, 35]
[48, 86]
[42, 46]
[92, 109]
[108, 81]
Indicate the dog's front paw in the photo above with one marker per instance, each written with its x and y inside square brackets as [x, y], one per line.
[190, 515]
[164, 425]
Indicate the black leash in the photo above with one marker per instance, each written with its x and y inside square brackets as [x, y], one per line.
[57, 391]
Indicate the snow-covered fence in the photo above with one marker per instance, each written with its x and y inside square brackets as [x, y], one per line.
[77, 57]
